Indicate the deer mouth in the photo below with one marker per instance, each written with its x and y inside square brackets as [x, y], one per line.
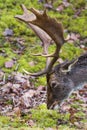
[55, 105]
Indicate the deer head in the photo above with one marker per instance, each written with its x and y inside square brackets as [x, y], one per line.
[69, 76]
[63, 78]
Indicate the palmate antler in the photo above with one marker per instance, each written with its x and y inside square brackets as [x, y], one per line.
[50, 27]
[44, 37]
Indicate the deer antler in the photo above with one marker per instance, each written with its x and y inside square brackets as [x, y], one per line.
[44, 37]
[51, 27]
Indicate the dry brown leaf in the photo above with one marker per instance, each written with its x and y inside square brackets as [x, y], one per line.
[17, 111]
[8, 32]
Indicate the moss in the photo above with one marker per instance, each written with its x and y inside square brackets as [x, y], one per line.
[47, 118]
[69, 11]
[80, 114]
[10, 9]
[6, 122]
[69, 51]
[84, 13]
[23, 64]
[21, 128]
[64, 127]
[7, 56]
[17, 123]
[40, 81]
[77, 26]
[78, 4]
[56, 3]
[6, 70]
[2, 61]
[27, 57]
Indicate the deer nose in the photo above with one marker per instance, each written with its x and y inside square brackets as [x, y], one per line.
[54, 106]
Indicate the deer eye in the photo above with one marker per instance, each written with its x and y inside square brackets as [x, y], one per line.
[53, 84]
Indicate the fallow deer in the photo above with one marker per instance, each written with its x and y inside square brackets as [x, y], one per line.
[63, 78]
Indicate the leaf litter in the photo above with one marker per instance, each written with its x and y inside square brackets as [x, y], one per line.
[19, 92]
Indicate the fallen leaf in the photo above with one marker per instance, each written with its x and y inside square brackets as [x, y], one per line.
[60, 8]
[31, 63]
[78, 125]
[30, 93]
[48, 6]
[8, 32]
[1, 75]
[49, 128]
[9, 64]
[61, 121]
[26, 98]
[17, 111]
[40, 88]
[73, 37]
[26, 84]
[30, 123]
[66, 4]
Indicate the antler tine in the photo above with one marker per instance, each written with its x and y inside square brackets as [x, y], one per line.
[26, 15]
[30, 17]
[36, 12]
[44, 55]
[44, 37]
[36, 74]
[51, 28]
[24, 8]
[54, 29]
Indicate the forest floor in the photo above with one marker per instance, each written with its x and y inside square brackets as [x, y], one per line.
[22, 97]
